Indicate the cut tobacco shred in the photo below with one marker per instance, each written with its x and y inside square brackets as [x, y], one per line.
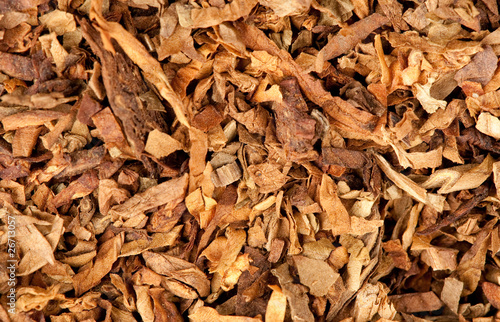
[249, 160]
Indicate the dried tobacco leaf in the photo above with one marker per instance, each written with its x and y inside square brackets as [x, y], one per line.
[169, 162]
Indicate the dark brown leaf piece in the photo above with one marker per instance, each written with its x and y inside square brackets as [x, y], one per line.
[295, 129]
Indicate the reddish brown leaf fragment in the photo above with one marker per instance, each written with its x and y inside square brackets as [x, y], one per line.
[164, 310]
[398, 254]
[207, 119]
[17, 66]
[170, 191]
[88, 107]
[25, 140]
[81, 161]
[492, 293]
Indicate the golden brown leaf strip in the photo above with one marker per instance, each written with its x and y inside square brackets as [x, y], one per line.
[223, 208]
[348, 37]
[92, 274]
[479, 194]
[169, 191]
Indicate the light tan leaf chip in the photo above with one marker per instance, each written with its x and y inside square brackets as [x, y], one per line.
[315, 274]
[59, 22]
[212, 16]
[469, 176]
[35, 247]
[178, 269]
[160, 144]
[144, 303]
[403, 182]
[452, 290]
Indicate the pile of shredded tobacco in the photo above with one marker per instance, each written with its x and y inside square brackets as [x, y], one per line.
[249, 160]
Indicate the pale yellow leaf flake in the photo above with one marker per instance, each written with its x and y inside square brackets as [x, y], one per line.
[403, 182]
[361, 226]
[429, 103]
[235, 240]
[233, 273]
[276, 307]
[419, 160]
[36, 298]
[201, 207]
[469, 176]
[489, 125]
[53, 48]
[372, 299]
[144, 303]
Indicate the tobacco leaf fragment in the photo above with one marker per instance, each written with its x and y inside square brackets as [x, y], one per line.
[92, 273]
[348, 37]
[171, 191]
[17, 66]
[480, 69]
[492, 293]
[478, 195]
[295, 129]
[123, 85]
[416, 302]
[344, 158]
